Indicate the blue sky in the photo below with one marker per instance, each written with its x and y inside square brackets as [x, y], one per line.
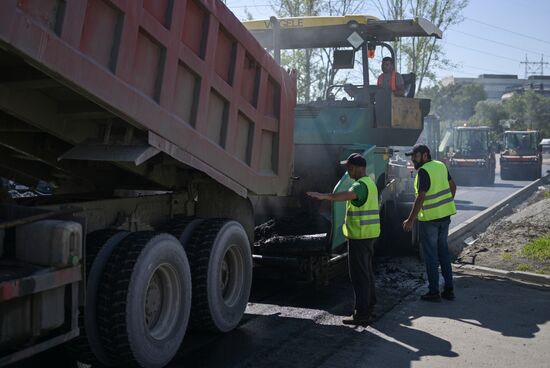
[494, 38]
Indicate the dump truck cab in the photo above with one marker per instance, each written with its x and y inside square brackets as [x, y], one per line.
[470, 156]
[521, 156]
[347, 118]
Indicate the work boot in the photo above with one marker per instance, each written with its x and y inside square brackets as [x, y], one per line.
[431, 297]
[358, 320]
[448, 294]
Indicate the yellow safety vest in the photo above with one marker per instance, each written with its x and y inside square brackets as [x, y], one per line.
[363, 222]
[439, 200]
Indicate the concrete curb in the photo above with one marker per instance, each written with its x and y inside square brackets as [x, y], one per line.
[483, 219]
[529, 277]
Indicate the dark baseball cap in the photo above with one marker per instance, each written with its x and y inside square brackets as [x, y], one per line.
[422, 148]
[355, 159]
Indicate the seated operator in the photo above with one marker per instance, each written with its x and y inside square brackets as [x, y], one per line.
[477, 146]
[524, 144]
[390, 79]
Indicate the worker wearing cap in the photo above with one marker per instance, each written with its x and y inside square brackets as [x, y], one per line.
[361, 228]
[434, 206]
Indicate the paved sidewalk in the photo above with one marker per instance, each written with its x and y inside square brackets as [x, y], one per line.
[493, 322]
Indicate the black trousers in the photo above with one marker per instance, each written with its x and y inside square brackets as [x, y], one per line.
[361, 272]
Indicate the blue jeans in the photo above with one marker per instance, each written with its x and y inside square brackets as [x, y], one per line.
[433, 236]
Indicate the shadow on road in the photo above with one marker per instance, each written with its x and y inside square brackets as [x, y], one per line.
[507, 185]
[276, 341]
[473, 185]
[500, 305]
[462, 205]
[415, 329]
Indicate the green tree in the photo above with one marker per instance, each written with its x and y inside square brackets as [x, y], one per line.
[454, 102]
[420, 55]
[529, 111]
[490, 113]
[301, 60]
[313, 66]
[515, 108]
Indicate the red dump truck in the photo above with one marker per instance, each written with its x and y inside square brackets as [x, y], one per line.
[153, 121]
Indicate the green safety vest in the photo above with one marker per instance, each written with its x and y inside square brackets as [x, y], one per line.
[439, 200]
[363, 222]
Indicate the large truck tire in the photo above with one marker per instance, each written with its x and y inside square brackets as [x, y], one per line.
[181, 227]
[145, 300]
[221, 269]
[87, 347]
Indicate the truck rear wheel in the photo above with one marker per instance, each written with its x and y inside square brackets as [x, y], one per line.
[221, 268]
[145, 300]
[87, 347]
[181, 227]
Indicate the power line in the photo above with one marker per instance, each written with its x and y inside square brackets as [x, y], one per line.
[483, 52]
[463, 66]
[482, 69]
[497, 42]
[508, 30]
[455, 30]
[534, 67]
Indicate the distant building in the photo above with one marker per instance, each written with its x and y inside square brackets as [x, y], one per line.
[498, 86]
[538, 83]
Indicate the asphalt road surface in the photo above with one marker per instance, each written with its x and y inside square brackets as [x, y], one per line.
[293, 325]
[289, 325]
[297, 325]
[470, 200]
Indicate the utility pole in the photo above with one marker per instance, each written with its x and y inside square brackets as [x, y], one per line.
[534, 67]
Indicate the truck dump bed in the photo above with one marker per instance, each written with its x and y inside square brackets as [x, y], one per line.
[131, 87]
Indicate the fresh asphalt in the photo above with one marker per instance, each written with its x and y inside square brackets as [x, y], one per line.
[493, 322]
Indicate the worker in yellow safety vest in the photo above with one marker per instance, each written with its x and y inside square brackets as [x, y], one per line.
[434, 206]
[361, 228]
